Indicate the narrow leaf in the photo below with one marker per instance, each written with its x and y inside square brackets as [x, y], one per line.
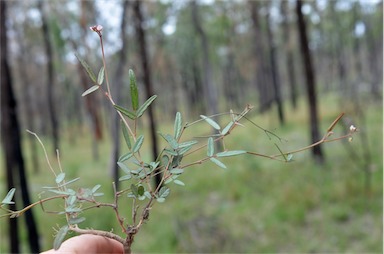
[178, 182]
[134, 190]
[146, 104]
[211, 122]
[60, 237]
[100, 77]
[176, 171]
[134, 90]
[137, 145]
[187, 143]
[124, 167]
[90, 90]
[230, 153]
[227, 128]
[78, 220]
[88, 69]
[69, 182]
[60, 177]
[70, 209]
[210, 147]
[126, 135]
[177, 125]
[94, 189]
[125, 111]
[8, 198]
[164, 192]
[125, 157]
[125, 177]
[218, 163]
[184, 150]
[289, 157]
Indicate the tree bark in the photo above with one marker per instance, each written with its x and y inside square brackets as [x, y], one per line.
[116, 92]
[275, 72]
[51, 79]
[11, 142]
[310, 83]
[141, 41]
[208, 86]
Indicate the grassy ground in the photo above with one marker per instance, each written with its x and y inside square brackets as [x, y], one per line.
[256, 205]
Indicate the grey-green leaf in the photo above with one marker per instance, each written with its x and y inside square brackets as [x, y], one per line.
[126, 135]
[164, 192]
[8, 198]
[210, 147]
[227, 128]
[230, 153]
[177, 125]
[178, 182]
[60, 237]
[125, 111]
[137, 145]
[218, 163]
[125, 157]
[60, 177]
[88, 69]
[90, 90]
[134, 90]
[100, 77]
[94, 189]
[211, 122]
[146, 104]
[76, 220]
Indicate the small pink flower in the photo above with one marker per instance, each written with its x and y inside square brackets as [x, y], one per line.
[97, 29]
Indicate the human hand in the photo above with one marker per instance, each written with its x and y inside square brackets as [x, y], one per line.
[88, 244]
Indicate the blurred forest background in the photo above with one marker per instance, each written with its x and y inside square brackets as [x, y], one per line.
[300, 63]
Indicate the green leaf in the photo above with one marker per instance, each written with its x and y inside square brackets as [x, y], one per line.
[164, 192]
[176, 161]
[71, 200]
[126, 135]
[61, 192]
[230, 153]
[289, 157]
[146, 104]
[217, 162]
[125, 157]
[94, 189]
[124, 167]
[211, 122]
[134, 190]
[140, 190]
[134, 90]
[187, 143]
[227, 128]
[184, 150]
[60, 177]
[160, 200]
[77, 220]
[177, 125]
[90, 72]
[69, 182]
[176, 171]
[60, 237]
[210, 147]
[90, 90]
[8, 198]
[171, 140]
[71, 209]
[100, 77]
[125, 177]
[178, 182]
[125, 111]
[138, 144]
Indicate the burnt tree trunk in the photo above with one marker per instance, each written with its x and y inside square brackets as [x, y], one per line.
[142, 43]
[11, 142]
[51, 79]
[310, 83]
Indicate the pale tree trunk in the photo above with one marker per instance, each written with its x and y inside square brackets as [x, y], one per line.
[310, 83]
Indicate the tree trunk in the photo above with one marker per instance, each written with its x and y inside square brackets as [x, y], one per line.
[116, 92]
[51, 79]
[289, 54]
[275, 72]
[141, 41]
[208, 86]
[11, 142]
[310, 83]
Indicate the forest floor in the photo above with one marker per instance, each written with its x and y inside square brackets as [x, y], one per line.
[257, 204]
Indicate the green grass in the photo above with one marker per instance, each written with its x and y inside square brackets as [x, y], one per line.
[256, 205]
